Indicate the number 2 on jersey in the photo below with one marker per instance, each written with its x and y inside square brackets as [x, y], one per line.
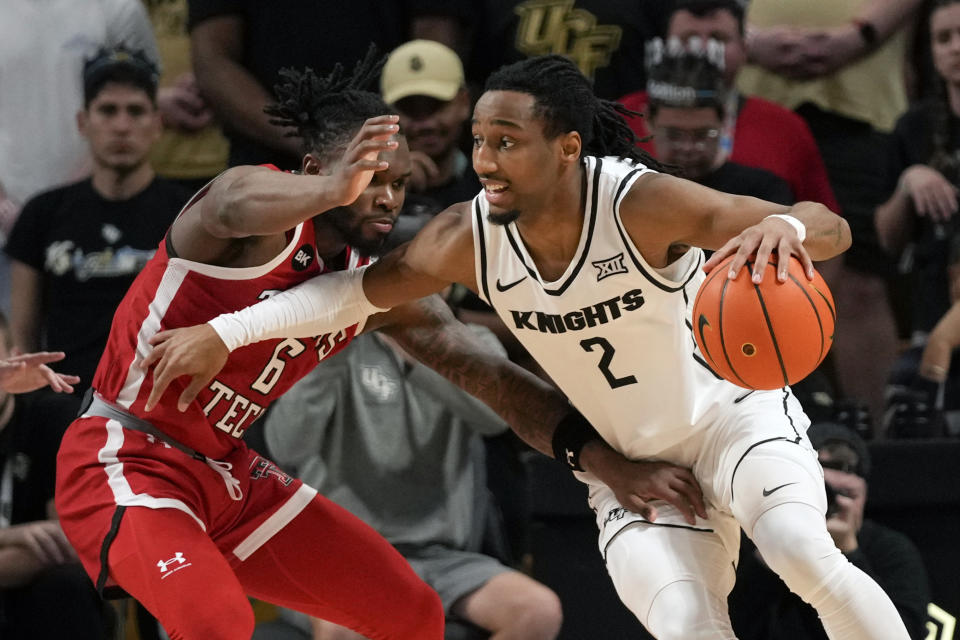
[605, 359]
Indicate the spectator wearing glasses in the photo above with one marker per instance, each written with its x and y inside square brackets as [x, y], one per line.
[762, 608]
[686, 111]
[757, 132]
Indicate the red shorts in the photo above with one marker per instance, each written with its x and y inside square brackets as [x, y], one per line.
[141, 513]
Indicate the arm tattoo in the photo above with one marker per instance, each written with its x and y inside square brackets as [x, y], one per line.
[529, 405]
[837, 233]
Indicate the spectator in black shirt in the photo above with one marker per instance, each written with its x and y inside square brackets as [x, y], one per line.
[923, 174]
[762, 608]
[76, 249]
[423, 80]
[687, 111]
[39, 572]
[239, 47]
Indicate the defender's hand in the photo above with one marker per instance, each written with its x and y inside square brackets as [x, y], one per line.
[195, 351]
[361, 159]
[762, 239]
[45, 539]
[29, 372]
[636, 484]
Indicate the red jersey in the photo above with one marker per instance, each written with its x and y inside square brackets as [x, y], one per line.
[767, 136]
[172, 292]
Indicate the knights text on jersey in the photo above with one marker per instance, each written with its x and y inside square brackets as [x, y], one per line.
[172, 292]
[613, 332]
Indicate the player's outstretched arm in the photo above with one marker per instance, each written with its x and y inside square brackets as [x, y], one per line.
[29, 372]
[662, 210]
[535, 410]
[442, 252]
[323, 304]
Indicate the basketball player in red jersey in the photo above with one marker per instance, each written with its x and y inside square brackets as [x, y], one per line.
[172, 506]
[592, 259]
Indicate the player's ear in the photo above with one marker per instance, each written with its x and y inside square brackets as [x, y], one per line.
[311, 165]
[570, 146]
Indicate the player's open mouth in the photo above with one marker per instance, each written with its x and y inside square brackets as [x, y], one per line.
[496, 192]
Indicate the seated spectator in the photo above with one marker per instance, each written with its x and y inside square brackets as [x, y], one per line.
[840, 66]
[755, 132]
[42, 48]
[686, 111]
[239, 47]
[397, 445]
[762, 608]
[423, 81]
[76, 249]
[44, 592]
[924, 390]
[916, 222]
[192, 149]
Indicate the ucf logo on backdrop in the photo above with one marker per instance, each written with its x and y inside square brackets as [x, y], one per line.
[555, 26]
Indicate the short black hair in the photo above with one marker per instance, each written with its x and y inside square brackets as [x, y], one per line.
[678, 76]
[827, 435]
[701, 8]
[119, 65]
[326, 111]
[564, 100]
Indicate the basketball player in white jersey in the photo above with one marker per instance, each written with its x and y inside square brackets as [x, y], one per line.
[591, 258]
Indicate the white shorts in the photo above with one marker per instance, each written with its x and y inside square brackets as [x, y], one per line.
[752, 457]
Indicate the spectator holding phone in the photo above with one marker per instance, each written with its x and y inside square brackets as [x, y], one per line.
[761, 606]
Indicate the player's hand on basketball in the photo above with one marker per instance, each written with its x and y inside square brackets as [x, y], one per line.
[361, 159]
[932, 195]
[755, 244]
[29, 372]
[44, 539]
[636, 484]
[195, 351]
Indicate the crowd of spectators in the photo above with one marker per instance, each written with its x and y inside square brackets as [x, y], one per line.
[121, 109]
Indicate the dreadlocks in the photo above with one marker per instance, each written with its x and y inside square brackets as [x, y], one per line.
[327, 111]
[564, 100]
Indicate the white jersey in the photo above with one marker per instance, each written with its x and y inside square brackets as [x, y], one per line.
[613, 332]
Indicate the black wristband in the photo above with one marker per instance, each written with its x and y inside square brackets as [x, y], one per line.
[569, 437]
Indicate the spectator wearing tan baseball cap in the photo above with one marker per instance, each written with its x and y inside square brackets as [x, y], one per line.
[424, 81]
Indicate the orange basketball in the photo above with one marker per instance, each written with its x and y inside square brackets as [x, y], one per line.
[767, 335]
